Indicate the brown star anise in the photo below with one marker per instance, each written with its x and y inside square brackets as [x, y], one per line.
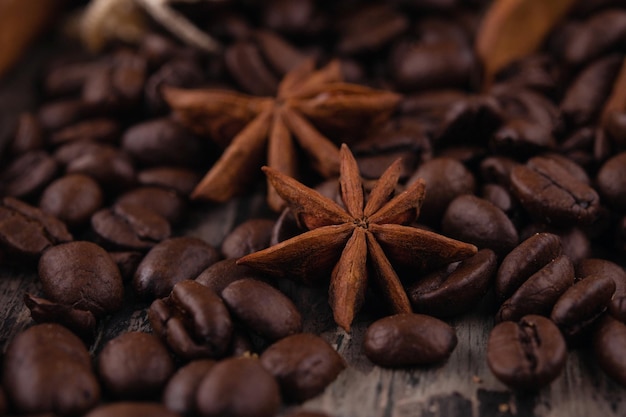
[372, 235]
[304, 96]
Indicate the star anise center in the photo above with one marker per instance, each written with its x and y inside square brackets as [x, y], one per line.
[362, 222]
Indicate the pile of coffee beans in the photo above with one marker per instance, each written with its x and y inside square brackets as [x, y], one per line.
[94, 188]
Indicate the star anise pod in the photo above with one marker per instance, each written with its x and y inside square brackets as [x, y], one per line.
[362, 239]
[305, 97]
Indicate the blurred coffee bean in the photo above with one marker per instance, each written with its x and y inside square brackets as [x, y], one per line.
[611, 181]
[477, 221]
[127, 262]
[81, 322]
[96, 130]
[526, 355]
[539, 293]
[83, 275]
[297, 17]
[134, 366]
[180, 180]
[286, 225]
[455, 289]
[263, 309]
[180, 392]
[131, 409]
[537, 72]
[68, 79]
[497, 169]
[56, 115]
[165, 203]
[520, 137]
[47, 369]
[582, 304]
[500, 197]
[408, 340]
[615, 126]
[73, 199]
[110, 167]
[250, 236]
[445, 180]
[71, 151]
[193, 321]
[26, 176]
[129, 227]
[307, 413]
[157, 49]
[303, 364]
[28, 135]
[470, 119]
[170, 262]
[238, 387]
[553, 195]
[220, 274]
[163, 142]
[185, 73]
[609, 340]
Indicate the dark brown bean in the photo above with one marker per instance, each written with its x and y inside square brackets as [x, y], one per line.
[408, 340]
[304, 365]
[193, 321]
[28, 135]
[165, 203]
[219, 275]
[181, 180]
[183, 73]
[521, 137]
[111, 168]
[48, 369]
[370, 28]
[250, 236]
[69, 78]
[80, 322]
[127, 262]
[497, 169]
[456, 288]
[134, 365]
[96, 130]
[180, 392]
[307, 413]
[59, 114]
[73, 199]
[131, 409]
[615, 126]
[263, 309]
[170, 262]
[238, 387]
[609, 340]
[83, 275]
[65, 154]
[26, 176]
[612, 181]
[526, 355]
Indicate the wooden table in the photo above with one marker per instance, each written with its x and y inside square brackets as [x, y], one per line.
[461, 387]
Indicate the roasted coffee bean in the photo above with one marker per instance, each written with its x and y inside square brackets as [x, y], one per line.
[111, 168]
[71, 151]
[456, 288]
[131, 409]
[129, 227]
[127, 262]
[470, 119]
[539, 293]
[551, 194]
[96, 130]
[615, 127]
[307, 413]
[293, 17]
[193, 321]
[73, 199]
[220, 274]
[497, 169]
[157, 49]
[250, 236]
[370, 28]
[582, 303]
[304, 365]
[170, 262]
[163, 142]
[48, 369]
[612, 181]
[500, 197]
[474, 220]
[69, 78]
[263, 309]
[609, 340]
[180, 180]
[26, 231]
[408, 340]
[286, 225]
[526, 355]
[165, 203]
[179, 395]
[603, 268]
[238, 387]
[134, 365]
[83, 275]
[28, 135]
[26, 176]
[526, 259]
[80, 322]
[445, 180]
[521, 137]
[59, 114]
[183, 73]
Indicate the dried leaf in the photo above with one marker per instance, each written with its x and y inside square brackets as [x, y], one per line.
[512, 29]
[108, 20]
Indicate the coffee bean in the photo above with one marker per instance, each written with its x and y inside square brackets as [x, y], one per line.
[497, 169]
[615, 127]
[582, 304]
[172, 261]
[551, 194]
[180, 180]
[604, 268]
[608, 346]
[286, 225]
[180, 392]
[474, 220]
[96, 130]
[129, 227]
[408, 340]
[134, 365]
[526, 355]
[28, 135]
[303, 364]
[370, 28]
[500, 197]
[220, 274]
[111, 168]
[26, 176]
[193, 321]
[69, 78]
[80, 322]
[456, 288]
[521, 137]
[250, 236]
[165, 203]
[238, 387]
[48, 369]
[263, 309]
[472, 118]
[179, 72]
[526, 259]
[163, 142]
[131, 409]
[65, 154]
[307, 413]
[612, 181]
[59, 114]
[73, 199]
[127, 262]
[83, 275]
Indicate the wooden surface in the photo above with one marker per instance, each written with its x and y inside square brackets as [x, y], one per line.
[462, 387]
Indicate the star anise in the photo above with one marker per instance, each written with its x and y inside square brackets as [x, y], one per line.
[304, 96]
[372, 234]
